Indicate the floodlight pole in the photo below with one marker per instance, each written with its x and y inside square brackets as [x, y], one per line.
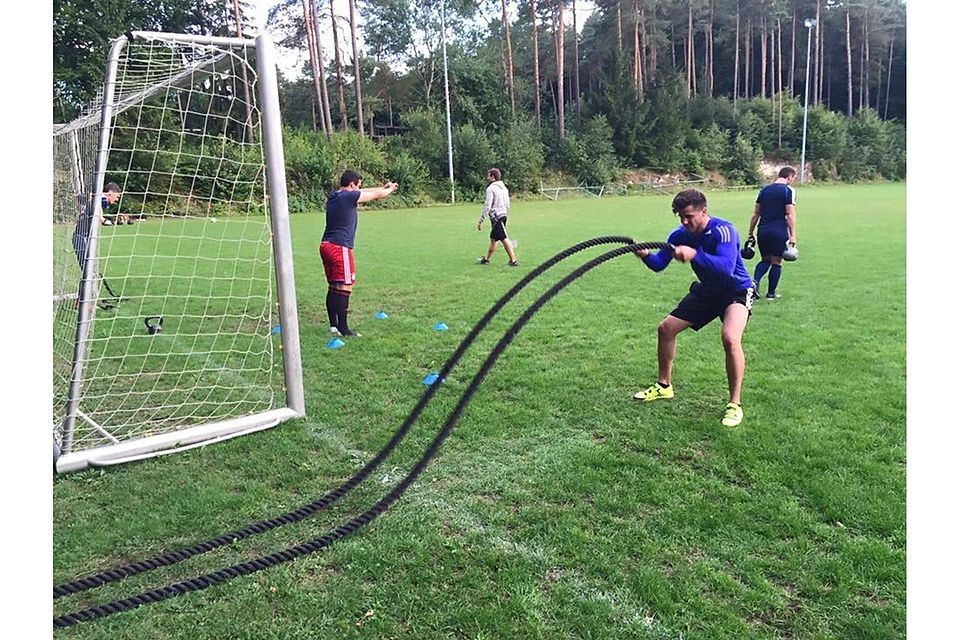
[810, 24]
[446, 91]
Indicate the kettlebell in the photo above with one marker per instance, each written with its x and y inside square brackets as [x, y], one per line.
[748, 251]
[154, 324]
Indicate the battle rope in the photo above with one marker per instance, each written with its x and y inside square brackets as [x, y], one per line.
[245, 568]
[308, 510]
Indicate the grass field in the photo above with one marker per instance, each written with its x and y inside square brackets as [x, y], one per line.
[559, 507]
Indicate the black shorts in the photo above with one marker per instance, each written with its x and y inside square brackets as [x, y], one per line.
[700, 307]
[498, 229]
[772, 240]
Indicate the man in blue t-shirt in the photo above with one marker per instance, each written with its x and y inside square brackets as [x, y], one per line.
[336, 246]
[724, 290]
[776, 211]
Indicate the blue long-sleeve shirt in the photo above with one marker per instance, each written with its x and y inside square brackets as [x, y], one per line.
[718, 264]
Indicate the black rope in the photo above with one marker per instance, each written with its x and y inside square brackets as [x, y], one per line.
[312, 546]
[308, 510]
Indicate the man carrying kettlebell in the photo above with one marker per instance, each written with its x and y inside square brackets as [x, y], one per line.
[776, 213]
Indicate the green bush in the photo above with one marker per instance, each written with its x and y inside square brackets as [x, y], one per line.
[360, 153]
[743, 162]
[311, 172]
[426, 140]
[519, 155]
[472, 156]
[711, 145]
[871, 151]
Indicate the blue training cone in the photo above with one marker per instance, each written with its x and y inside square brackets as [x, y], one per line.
[276, 329]
[335, 343]
[440, 326]
[380, 315]
[432, 378]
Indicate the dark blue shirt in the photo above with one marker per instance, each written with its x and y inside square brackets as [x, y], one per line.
[717, 264]
[341, 218]
[81, 232]
[773, 200]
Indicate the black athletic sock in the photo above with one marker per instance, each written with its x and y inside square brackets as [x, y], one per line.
[775, 271]
[343, 301]
[332, 306]
[662, 386]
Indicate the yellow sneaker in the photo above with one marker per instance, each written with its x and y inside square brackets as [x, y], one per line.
[654, 392]
[732, 415]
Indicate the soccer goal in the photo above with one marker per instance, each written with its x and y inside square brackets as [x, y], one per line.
[175, 321]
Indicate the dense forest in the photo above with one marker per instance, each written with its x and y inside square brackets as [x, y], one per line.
[548, 91]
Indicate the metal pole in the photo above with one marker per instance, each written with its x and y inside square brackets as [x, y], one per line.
[446, 91]
[810, 24]
[85, 306]
[280, 224]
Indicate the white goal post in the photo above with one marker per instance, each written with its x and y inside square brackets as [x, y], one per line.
[175, 314]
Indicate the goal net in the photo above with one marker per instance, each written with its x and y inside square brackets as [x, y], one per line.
[174, 308]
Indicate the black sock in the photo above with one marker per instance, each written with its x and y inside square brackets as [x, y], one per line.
[343, 301]
[332, 306]
[662, 386]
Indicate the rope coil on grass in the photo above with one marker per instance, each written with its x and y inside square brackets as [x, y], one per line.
[308, 510]
[252, 566]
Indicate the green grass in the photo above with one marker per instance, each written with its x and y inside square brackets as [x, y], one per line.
[559, 507]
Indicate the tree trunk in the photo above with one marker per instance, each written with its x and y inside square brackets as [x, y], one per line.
[793, 52]
[866, 58]
[673, 46]
[691, 52]
[576, 62]
[536, 61]
[746, 58]
[814, 94]
[709, 68]
[779, 84]
[637, 52]
[773, 61]
[619, 27]
[736, 58]
[324, 96]
[314, 67]
[356, 66]
[652, 67]
[886, 101]
[509, 54]
[849, 69]
[246, 82]
[643, 52]
[822, 60]
[763, 57]
[321, 61]
[339, 69]
[558, 46]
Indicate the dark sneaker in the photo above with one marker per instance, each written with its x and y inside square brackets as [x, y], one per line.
[514, 263]
[773, 296]
[483, 260]
[350, 334]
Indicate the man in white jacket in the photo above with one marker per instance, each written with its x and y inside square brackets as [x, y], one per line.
[495, 206]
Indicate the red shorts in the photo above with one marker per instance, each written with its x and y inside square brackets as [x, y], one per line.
[338, 263]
